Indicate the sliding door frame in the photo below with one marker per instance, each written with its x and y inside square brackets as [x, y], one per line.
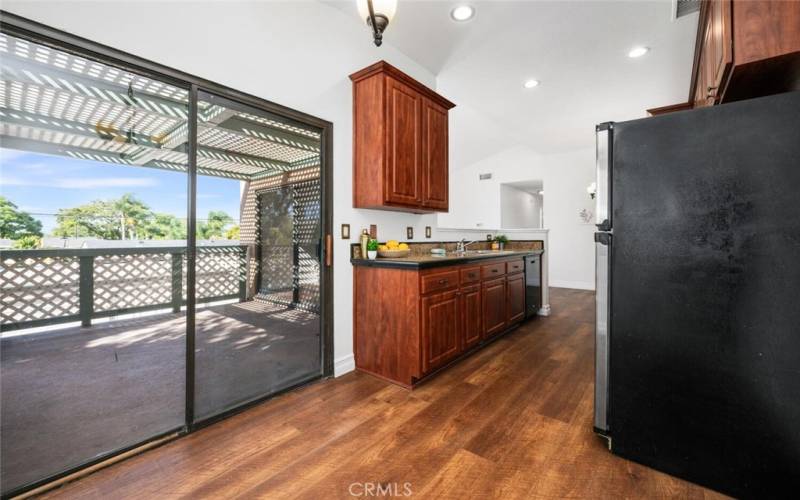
[21, 27]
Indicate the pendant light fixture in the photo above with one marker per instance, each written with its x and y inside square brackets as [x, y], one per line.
[377, 14]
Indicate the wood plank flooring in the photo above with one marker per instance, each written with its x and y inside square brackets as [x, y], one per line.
[514, 420]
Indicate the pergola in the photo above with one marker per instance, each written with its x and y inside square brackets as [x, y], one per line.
[54, 102]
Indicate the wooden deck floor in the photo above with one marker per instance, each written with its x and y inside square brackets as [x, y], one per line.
[512, 421]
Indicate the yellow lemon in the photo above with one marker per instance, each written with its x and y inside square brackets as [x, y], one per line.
[383, 248]
[403, 246]
[392, 244]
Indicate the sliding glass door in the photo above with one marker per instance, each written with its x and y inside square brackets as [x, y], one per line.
[269, 337]
[92, 317]
[161, 256]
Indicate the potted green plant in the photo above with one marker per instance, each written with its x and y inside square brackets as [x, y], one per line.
[501, 241]
[372, 249]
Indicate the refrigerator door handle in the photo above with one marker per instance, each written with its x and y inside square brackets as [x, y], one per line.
[604, 135]
[602, 304]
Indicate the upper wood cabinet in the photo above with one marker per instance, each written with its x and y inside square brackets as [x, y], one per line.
[716, 54]
[400, 142]
[745, 48]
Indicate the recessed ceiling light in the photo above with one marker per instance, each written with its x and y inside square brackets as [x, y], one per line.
[529, 84]
[638, 51]
[462, 13]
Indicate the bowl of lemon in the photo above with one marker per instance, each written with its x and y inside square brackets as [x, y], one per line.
[393, 250]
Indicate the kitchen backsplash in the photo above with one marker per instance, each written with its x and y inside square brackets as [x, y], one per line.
[450, 246]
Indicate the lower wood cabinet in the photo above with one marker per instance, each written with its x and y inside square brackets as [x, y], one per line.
[471, 326]
[440, 329]
[515, 298]
[411, 322]
[494, 307]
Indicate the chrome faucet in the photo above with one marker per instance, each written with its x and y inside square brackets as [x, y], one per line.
[462, 245]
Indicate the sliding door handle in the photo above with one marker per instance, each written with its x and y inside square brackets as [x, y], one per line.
[328, 250]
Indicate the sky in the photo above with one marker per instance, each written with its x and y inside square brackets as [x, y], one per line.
[42, 184]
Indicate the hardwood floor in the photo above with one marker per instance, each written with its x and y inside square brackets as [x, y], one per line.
[512, 421]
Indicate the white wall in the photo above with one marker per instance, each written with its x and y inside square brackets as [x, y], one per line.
[298, 54]
[477, 204]
[518, 209]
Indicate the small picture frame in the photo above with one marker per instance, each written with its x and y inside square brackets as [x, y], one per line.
[427, 231]
[410, 233]
[345, 231]
[373, 231]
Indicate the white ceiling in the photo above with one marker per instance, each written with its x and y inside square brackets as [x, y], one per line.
[577, 49]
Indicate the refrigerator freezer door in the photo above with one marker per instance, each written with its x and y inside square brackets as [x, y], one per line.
[602, 254]
[603, 191]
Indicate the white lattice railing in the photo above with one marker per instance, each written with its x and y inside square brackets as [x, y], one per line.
[43, 287]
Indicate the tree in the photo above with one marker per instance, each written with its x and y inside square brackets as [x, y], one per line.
[28, 242]
[133, 216]
[94, 219]
[214, 226]
[120, 219]
[164, 227]
[15, 223]
[233, 232]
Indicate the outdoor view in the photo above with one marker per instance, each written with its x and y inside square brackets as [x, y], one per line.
[95, 268]
[54, 202]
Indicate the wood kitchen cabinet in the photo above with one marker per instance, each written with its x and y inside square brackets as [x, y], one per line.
[400, 142]
[743, 49]
[515, 298]
[411, 322]
[716, 53]
[494, 307]
[471, 325]
[440, 329]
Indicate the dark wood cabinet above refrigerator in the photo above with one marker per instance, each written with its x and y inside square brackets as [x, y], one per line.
[400, 142]
[743, 49]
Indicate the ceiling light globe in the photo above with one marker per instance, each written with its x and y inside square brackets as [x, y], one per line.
[529, 84]
[386, 8]
[462, 13]
[638, 52]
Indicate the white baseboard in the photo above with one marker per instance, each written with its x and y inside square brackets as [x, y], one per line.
[344, 364]
[579, 285]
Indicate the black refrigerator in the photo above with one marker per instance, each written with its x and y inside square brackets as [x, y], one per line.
[697, 369]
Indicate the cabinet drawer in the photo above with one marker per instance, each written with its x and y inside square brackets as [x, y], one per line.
[439, 281]
[495, 270]
[516, 266]
[470, 275]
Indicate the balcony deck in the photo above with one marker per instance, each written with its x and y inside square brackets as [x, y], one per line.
[89, 390]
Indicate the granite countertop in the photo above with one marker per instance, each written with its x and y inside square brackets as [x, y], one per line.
[422, 261]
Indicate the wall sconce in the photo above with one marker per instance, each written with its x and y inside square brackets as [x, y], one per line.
[377, 14]
[592, 190]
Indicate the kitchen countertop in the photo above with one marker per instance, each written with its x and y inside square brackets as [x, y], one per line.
[425, 261]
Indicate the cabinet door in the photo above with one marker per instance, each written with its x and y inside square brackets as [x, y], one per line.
[717, 47]
[403, 175]
[435, 175]
[515, 298]
[493, 297]
[471, 325]
[440, 339]
[701, 86]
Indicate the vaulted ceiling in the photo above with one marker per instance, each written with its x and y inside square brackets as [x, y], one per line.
[577, 49]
